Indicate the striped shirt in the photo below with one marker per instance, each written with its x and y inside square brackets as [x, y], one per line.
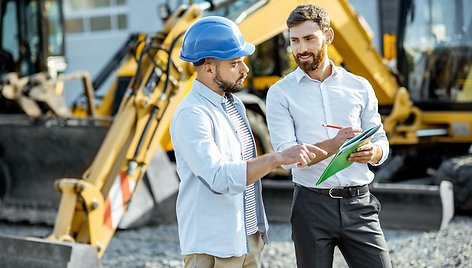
[248, 151]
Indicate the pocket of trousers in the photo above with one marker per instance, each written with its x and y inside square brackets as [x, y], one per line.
[376, 202]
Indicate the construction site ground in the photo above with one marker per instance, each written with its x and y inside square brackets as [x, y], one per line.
[158, 247]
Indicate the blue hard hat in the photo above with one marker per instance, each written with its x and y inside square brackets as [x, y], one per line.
[214, 37]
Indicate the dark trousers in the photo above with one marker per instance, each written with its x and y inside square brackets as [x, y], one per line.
[319, 223]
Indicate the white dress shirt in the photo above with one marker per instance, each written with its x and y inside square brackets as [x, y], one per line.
[298, 105]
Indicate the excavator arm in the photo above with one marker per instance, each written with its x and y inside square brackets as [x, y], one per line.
[352, 41]
[92, 207]
[404, 122]
[353, 44]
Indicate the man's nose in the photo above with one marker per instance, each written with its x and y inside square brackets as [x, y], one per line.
[244, 68]
[302, 48]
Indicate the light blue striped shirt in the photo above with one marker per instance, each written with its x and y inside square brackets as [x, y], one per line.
[298, 105]
[210, 202]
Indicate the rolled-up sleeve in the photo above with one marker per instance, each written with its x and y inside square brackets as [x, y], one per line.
[370, 117]
[193, 138]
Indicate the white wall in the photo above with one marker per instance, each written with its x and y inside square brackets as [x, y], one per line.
[90, 51]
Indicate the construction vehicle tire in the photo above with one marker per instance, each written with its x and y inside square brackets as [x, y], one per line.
[458, 171]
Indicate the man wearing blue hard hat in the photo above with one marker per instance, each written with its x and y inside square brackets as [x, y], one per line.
[220, 214]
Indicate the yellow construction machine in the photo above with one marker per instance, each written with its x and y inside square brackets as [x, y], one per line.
[430, 127]
[93, 203]
[42, 138]
[32, 106]
[33, 112]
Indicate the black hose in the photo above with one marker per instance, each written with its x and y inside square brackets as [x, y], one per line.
[155, 109]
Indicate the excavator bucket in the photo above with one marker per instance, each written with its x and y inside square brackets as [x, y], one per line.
[153, 202]
[19, 252]
[36, 152]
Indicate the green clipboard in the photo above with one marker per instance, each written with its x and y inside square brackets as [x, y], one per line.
[339, 161]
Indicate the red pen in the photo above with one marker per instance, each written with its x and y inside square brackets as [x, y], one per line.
[331, 126]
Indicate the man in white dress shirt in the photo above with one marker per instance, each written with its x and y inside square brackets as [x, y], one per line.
[340, 211]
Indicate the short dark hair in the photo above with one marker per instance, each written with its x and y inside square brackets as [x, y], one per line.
[311, 12]
[199, 63]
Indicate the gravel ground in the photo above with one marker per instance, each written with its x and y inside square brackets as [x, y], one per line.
[157, 247]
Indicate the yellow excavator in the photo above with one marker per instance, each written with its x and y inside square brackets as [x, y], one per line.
[93, 204]
[42, 138]
[39, 137]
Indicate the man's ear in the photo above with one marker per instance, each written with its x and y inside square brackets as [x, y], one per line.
[329, 35]
[208, 69]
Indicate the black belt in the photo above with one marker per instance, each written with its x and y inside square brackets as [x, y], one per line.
[341, 192]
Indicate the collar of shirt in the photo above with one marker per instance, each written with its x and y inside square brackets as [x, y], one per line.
[229, 97]
[299, 73]
[213, 97]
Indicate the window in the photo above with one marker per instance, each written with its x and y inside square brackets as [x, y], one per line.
[74, 25]
[122, 21]
[100, 23]
[74, 5]
[55, 28]
[87, 16]
[10, 32]
[99, 3]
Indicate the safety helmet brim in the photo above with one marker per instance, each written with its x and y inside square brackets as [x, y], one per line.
[246, 50]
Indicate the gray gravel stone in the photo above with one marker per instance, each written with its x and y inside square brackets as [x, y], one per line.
[158, 247]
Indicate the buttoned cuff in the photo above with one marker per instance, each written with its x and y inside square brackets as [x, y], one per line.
[385, 151]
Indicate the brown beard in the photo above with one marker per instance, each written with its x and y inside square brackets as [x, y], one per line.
[226, 86]
[318, 58]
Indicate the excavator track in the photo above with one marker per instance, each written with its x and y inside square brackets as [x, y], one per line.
[459, 171]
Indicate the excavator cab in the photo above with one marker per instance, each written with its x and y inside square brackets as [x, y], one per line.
[433, 142]
[434, 64]
[435, 53]
[31, 42]
[36, 130]
[34, 43]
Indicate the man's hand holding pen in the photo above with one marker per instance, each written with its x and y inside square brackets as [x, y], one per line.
[344, 133]
[366, 154]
